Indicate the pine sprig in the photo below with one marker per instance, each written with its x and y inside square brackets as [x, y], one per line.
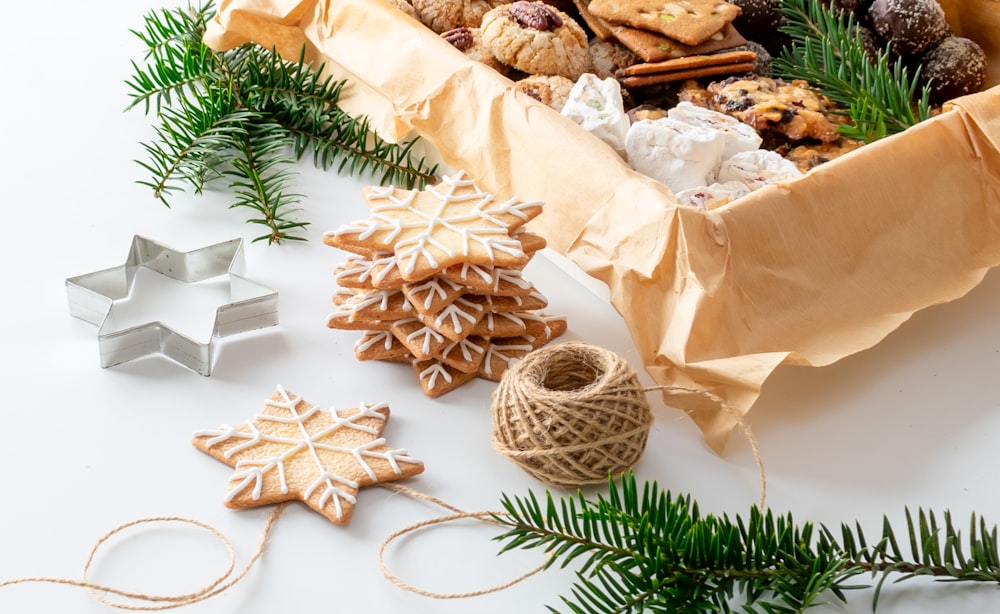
[878, 95]
[175, 58]
[191, 141]
[246, 115]
[642, 549]
[260, 174]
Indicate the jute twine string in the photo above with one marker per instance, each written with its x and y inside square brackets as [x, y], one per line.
[151, 602]
[568, 414]
[483, 516]
[571, 414]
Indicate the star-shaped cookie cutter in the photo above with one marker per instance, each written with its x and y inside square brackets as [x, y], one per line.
[91, 296]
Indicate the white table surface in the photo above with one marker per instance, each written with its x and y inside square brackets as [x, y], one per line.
[911, 422]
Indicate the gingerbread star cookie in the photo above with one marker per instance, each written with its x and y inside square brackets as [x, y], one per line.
[293, 450]
[448, 223]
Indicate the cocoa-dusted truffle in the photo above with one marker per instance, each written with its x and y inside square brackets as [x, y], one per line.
[849, 6]
[953, 67]
[762, 65]
[757, 18]
[871, 42]
[909, 25]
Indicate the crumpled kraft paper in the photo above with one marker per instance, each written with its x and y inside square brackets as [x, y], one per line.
[803, 273]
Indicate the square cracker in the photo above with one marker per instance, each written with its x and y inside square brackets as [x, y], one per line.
[688, 63]
[689, 21]
[683, 75]
[598, 26]
[653, 47]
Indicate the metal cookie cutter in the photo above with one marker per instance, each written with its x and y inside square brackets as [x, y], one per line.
[252, 305]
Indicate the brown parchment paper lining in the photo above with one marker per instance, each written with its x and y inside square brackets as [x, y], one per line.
[802, 273]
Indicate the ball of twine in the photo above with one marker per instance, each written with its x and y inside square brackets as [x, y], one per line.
[571, 414]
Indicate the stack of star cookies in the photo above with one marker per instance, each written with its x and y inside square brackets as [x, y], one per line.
[435, 279]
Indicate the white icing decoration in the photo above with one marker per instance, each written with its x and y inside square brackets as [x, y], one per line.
[456, 312]
[483, 271]
[497, 351]
[434, 287]
[513, 317]
[379, 299]
[466, 347]
[374, 337]
[432, 373]
[428, 334]
[376, 268]
[510, 276]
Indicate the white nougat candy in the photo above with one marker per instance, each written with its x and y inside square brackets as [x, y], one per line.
[712, 196]
[738, 135]
[757, 168]
[596, 104]
[674, 152]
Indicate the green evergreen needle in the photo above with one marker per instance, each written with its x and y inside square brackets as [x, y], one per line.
[246, 116]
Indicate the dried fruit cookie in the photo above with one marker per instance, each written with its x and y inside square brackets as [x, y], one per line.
[550, 90]
[536, 38]
[443, 15]
[609, 57]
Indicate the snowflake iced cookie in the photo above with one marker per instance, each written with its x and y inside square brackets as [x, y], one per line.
[536, 38]
[293, 450]
[448, 223]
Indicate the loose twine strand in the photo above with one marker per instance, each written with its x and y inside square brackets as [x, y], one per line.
[609, 386]
[568, 414]
[151, 602]
[573, 413]
[484, 516]
[741, 423]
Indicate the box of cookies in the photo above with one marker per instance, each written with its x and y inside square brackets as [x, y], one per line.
[736, 226]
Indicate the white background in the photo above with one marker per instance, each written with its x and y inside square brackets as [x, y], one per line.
[912, 422]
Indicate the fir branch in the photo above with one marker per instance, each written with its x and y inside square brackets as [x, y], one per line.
[878, 95]
[175, 58]
[190, 138]
[646, 550]
[260, 173]
[247, 115]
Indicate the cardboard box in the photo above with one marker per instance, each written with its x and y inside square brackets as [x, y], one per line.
[804, 273]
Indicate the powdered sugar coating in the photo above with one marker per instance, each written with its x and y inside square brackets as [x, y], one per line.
[909, 25]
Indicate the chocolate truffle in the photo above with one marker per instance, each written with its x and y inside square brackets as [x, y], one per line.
[909, 25]
[849, 6]
[757, 18]
[871, 43]
[953, 67]
[762, 65]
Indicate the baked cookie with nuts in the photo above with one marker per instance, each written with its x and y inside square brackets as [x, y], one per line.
[443, 15]
[470, 42]
[550, 90]
[536, 38]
